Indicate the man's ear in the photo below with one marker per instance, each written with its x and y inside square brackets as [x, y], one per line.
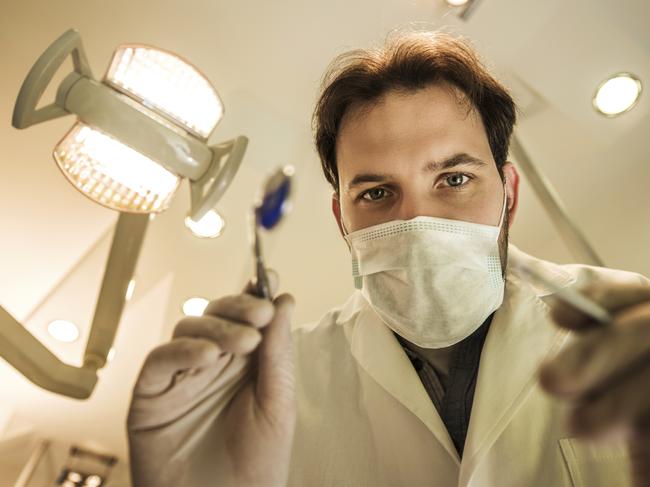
[336, 210]
[512, 189]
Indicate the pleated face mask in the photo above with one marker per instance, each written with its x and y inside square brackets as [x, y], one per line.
[433, 281]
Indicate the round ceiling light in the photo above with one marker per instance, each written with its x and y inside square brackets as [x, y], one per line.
[64, 331]
[194, 306]
[456, 3]
[210, 226]
[617, 94]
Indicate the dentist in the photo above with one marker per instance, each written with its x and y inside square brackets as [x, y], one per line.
[437, 371]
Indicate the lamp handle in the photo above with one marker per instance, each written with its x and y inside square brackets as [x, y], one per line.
[218, 176]
[25, 113]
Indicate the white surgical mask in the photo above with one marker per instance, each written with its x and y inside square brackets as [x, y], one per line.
[433, 281]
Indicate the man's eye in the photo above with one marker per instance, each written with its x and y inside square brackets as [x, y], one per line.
[457, 180]
[374, 194]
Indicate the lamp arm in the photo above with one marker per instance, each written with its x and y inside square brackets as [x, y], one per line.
[37, 363]
[120, 267]
[31, 358]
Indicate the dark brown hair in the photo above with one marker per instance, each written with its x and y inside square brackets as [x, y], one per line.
[409, 62]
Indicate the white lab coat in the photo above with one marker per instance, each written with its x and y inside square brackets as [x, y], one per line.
[365, 419]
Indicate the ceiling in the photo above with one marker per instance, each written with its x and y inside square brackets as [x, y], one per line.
[266, 60]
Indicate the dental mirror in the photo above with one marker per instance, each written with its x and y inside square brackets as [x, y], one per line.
[268, 212]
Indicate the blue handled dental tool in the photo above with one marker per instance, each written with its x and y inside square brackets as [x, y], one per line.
[268, 211]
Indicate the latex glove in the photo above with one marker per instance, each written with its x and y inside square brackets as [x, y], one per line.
[216, 405]
[605, 373]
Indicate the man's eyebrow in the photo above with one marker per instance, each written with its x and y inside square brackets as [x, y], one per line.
[456, 160]
[360, 179]
[433, 166]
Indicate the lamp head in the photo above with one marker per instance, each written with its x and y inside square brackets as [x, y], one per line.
[139, 131]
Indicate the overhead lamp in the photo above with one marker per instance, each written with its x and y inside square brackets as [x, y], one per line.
[456, 3]
[74, 477]
[617, 94]
[210, 226]
[93, 481]
[84, 468]
[139, 132]
[194, 306]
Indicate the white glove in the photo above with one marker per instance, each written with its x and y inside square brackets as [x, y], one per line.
[216, 405]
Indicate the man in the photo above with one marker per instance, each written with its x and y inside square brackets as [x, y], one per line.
[428, 375]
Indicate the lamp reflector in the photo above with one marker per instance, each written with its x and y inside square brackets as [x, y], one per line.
[114, 174]
[168, 84]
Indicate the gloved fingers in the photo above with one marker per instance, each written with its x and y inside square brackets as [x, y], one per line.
[243, 308]
[275, 380]
[625, 406]
[165, 363]
[231, 337]
[601, 356]
[613, 297]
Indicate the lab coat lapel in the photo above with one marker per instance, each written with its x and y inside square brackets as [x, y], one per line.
[379, 353]
[520, 337]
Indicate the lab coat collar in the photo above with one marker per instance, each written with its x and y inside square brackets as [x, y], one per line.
[351, 308]
[521, 336]
[379, 353]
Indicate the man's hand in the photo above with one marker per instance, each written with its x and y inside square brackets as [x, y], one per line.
[605, 373]
[216, 405]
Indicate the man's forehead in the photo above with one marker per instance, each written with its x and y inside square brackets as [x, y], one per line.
[442, 99]
[409, 124]
[400, 133]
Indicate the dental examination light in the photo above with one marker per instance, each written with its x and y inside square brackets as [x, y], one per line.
[139, 132]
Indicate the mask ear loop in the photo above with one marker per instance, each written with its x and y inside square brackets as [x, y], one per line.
[503, 214]
[345, 230]
[357, 278]
[503, 208]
